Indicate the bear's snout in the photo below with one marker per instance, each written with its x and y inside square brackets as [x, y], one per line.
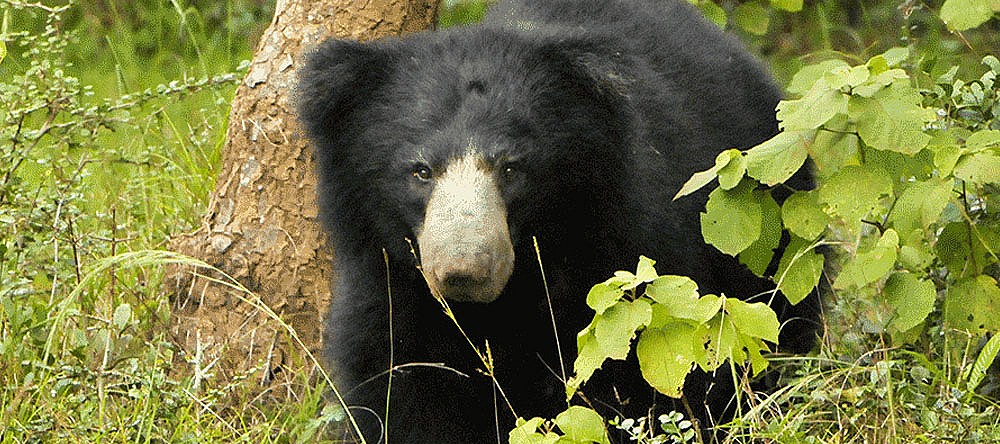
[465, 249]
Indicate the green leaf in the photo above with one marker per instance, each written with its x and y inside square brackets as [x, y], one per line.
[717, 342]
[752, 17]
[526, 432]
[787, 5]
[644, 272]
[854, 191]
[806, 78]
[920, 205]
[605, 294]
[731, 173]
[815, 108]
[122, 316]
[981, 140]
[615, 328]
[983, 362]
[973, 305]
[732, 219]
[666, 355]
[582, 425]
[980, 168]
[713, 12]
[778, 158]
[966, 252]
[961, 15]
[831, 151]
[753, 347]
[589, 357]
[759, 254]
[803, 215]
[799, 270]
[911, 298]
[698, 311]
[667, 289]
[946, 149]
[700, 179]
[893, 119]
[870, 266]
[756, 320]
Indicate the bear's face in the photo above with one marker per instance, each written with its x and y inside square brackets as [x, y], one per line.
[466, 150]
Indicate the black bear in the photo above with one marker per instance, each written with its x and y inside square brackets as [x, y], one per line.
[443, 156]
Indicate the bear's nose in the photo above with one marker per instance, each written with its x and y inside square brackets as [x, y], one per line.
[462, 281]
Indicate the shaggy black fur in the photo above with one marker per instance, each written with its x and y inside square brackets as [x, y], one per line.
[594, 114]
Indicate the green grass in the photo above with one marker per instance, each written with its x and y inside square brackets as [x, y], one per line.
[113, 116]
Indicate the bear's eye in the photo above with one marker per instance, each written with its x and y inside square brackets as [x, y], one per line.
[422, 172]
[509, 170]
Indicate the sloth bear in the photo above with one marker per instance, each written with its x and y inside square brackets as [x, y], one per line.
[444, 156]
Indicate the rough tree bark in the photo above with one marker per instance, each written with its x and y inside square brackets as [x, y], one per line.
[261, 225]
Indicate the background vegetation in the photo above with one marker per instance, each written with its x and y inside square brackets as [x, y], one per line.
[113, 115]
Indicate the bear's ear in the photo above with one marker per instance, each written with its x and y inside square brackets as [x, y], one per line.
[597, 65]
[339, 77]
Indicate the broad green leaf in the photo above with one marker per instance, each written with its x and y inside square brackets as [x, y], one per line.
[756, 320]
[981, 140]
[644, 272]
[666, 356]
[122, 315]
[700, 179]
[980, 168]
[892, 119]
[915, 253]
[699, 311]
[713, 12]
[753, 347]
[778, 158]
[895, 57]
[732, 219]
[854, 191]
[752, 17]
[732, 172]
[787, 5]
[870, 266]
[966, 252]
[831, 151]
[876, 83]
[526, 432]
[615, 328]
[815, 108]
[920, 205]
[589, 357]
[604, 295]
[803, 215]
[843, 78]
[759, 254]
[666, 289]
[806, 77]
[946, 151]
[911, 298]
[960, 15]
[973, 305]
[582, 425]
[983, 362]
[717, 342]
[799, 271]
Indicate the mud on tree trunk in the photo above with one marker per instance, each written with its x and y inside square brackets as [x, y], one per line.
[261, 226]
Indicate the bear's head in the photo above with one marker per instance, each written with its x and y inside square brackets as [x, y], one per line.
[469, 144]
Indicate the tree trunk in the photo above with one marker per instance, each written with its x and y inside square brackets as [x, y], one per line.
[261, 226]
